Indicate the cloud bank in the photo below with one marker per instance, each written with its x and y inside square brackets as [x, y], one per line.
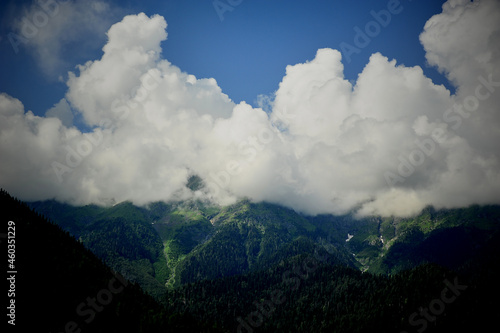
[391, 144]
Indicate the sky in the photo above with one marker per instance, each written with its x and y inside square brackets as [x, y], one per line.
[245, 47]
[378, 108]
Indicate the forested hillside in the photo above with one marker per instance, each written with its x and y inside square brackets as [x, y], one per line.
[299, 296]
[176, 243]
[258, 267]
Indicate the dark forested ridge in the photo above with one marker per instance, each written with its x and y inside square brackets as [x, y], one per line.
[258, 268]
[61, 286]
[288, 298]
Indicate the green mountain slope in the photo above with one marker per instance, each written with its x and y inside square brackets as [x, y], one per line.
[174, 244]
[388, 245]
[446, 237]
[121, 235]
[248, 237]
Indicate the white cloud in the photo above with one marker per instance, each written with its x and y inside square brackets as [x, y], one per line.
[390, 144]
[28, 144]
[472, 43]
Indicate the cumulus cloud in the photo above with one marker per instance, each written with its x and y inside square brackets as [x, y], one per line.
[391, 143]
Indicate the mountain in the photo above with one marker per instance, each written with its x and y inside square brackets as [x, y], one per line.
[249, 237]
[389, 245]
[259, 266]
[305, 292]
[121, 235]
[177, 243]
[56, 284]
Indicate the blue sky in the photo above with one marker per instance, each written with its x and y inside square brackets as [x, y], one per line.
[246, 52]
